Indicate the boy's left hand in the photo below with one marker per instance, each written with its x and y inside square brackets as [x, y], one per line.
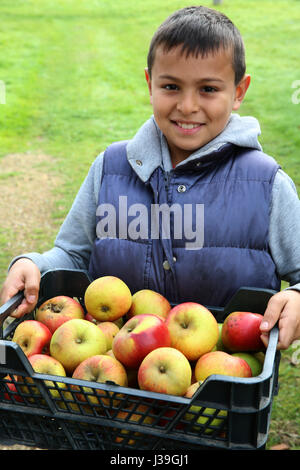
[285, 308]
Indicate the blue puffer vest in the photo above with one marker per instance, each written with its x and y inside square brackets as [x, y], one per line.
[234, 186]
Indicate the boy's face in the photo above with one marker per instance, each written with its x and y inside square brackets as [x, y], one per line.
[193, 98]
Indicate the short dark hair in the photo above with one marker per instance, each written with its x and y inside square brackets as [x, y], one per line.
[200, 30]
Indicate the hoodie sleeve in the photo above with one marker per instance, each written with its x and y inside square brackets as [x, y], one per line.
[73, 244]
[284, 229]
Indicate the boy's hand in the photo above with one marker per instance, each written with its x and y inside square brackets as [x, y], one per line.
[285, 307]
[23, 275]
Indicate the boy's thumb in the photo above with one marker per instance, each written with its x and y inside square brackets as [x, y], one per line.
[271, 315]
[31, 289]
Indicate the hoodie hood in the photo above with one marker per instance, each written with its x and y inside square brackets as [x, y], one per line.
[149, 149]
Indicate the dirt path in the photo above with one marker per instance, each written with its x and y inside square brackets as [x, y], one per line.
[26, 204]
[26, 199]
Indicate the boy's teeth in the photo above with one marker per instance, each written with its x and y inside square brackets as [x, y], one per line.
[187, 126]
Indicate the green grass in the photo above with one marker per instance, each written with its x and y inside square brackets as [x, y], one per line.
[74, 77]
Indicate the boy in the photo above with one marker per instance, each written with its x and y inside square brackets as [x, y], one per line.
[196, 157]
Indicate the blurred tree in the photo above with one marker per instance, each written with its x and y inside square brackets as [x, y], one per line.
[217, 2]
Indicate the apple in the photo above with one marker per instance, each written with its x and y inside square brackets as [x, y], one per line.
[241, 332]
[74, 341]
[44, 364]
[193, 329]
[148, 301]
[89, 317]
[32, 336]
[223, 363]
[165, 370]
[220, 346]
[254, 362]
[110, 330]
[57, 310]
[107, 298]
[12, 394]
[260, 356]
[136, 415]
[140, 335]
[119, 322]
[100, 368]
[110, 353]
[206, 417]
[131, 373]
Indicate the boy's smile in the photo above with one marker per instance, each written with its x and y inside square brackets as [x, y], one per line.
[193, 97]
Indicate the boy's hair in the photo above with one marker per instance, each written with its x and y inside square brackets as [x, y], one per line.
[200, 30]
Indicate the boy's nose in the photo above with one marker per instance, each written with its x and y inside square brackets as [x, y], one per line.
[188, 103]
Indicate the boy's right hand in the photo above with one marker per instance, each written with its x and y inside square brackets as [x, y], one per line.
[23, 275]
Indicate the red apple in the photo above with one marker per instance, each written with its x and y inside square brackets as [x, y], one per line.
[76, 340]
[220, 362]
[100, 368]
[107, 298]
[193, 329]
[241, 332]
[13, 394]
[165, 370]
[149, 301]
[110, 329]
[140, 335]
[57, 310]
[32, 336]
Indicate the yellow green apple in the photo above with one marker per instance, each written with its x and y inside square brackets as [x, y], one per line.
[107, 298]
[165, 370]
[149, 301]
[44, 364]
[193, 329]
[220, 346]
[76, 340]
[254, 363]
[203, 416]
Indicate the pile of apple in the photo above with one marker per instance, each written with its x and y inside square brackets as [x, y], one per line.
[138, 340]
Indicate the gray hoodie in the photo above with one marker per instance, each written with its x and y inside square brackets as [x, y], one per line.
[145, 152]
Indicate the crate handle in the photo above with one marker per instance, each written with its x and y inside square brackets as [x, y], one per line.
[9, 307]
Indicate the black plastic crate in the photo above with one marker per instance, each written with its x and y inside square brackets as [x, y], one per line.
[35, 410]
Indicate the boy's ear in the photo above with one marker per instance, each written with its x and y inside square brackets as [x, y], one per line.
[148, 79]
[240, 91]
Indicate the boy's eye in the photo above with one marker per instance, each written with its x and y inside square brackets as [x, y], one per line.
[208, 89]
[170, 87]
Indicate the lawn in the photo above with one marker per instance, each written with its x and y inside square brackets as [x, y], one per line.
[74, 82]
